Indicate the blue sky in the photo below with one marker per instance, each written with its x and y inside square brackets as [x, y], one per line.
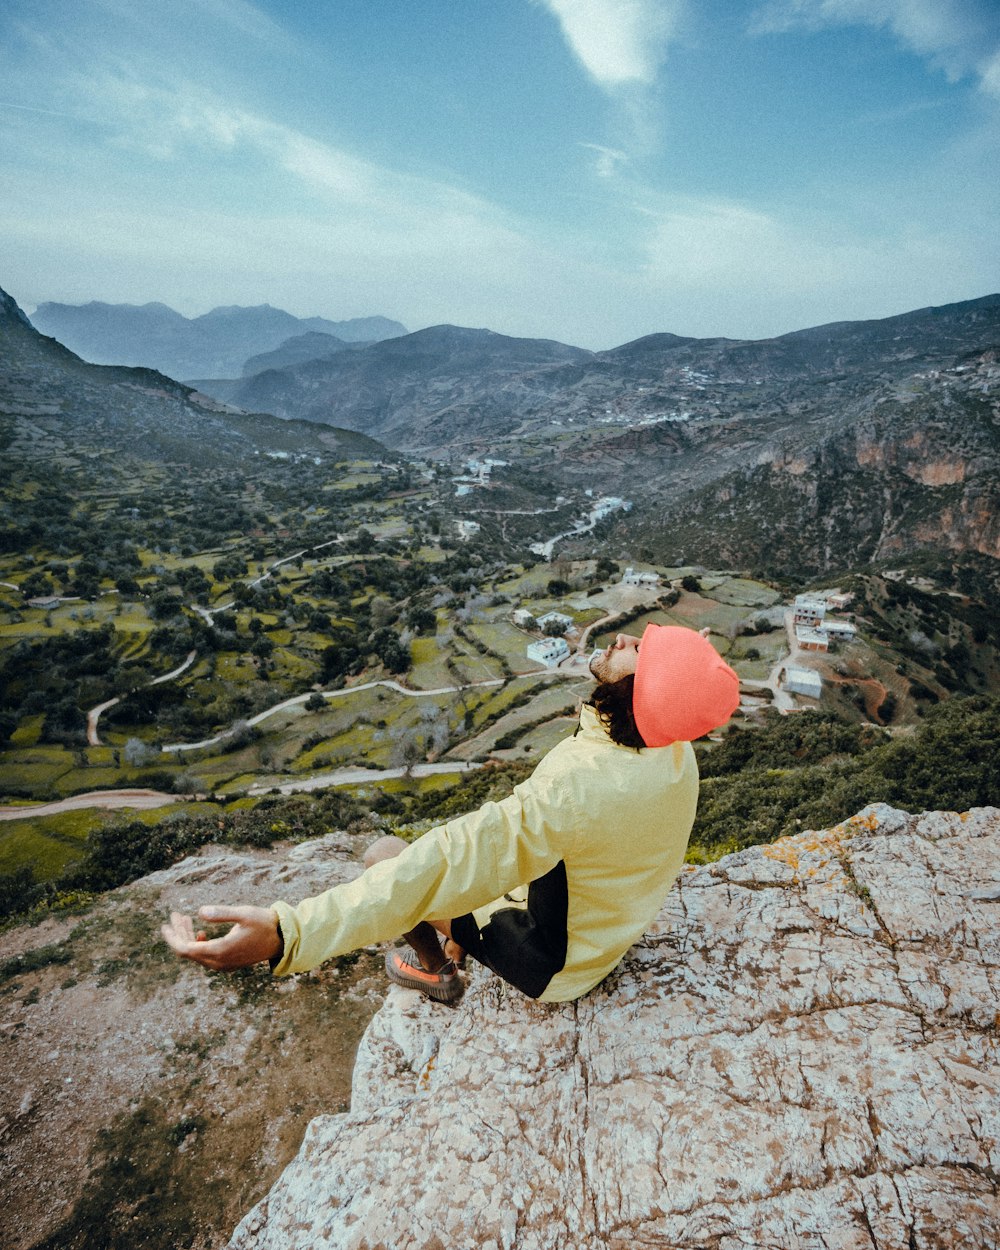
[587, 170]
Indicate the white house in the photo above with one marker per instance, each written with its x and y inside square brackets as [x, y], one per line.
[560, 618]
[840, 631]
[803, 681]
[837, 602]
[809, 610]
[811, 639]
[522, 618]
[631, 578]
[548, 651]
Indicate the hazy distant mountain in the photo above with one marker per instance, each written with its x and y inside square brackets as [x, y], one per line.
[295, 351]
[406, 390]
[55, 407]
[216, 344]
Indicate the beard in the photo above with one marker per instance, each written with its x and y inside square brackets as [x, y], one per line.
[600, 666]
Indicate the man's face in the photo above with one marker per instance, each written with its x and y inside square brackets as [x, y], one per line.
[617, 660]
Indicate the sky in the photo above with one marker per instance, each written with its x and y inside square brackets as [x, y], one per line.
[583, 170]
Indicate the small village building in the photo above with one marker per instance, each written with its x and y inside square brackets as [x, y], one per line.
[467, 529]
[631, 577]
[803, 681]
[522, 618]
[811, 639]
[44, 601]
[548, 651]
[808, 610]
[840, 631]
[555, 618]
[838, 602]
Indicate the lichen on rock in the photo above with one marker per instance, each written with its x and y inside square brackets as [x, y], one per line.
[803, 1052]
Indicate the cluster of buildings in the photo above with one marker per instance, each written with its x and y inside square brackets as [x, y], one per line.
[814, 631]
[553, 648]
[476, 473]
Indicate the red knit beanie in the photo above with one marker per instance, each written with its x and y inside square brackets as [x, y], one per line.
[683, 687]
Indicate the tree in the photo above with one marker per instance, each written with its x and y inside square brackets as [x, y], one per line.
[422, 620]
[315, 702]
[690, 583]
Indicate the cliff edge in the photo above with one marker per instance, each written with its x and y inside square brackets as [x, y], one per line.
[803, 1052]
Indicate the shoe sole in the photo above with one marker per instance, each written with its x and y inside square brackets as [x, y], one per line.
[441, 991]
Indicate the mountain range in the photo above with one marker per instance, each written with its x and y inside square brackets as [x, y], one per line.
[216, 344]
[849, 441]
[60, 411]
[821, 449]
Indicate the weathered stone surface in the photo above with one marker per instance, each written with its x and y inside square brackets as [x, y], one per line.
[802, 1053]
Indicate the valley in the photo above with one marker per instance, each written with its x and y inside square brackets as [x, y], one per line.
[218, 605]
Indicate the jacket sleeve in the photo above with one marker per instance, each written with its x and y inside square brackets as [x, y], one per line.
[451, 870]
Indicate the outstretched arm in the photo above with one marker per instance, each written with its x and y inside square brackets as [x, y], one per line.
[254, 937]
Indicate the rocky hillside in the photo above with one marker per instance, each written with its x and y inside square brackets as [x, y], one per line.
[214, 345]
[906, 466]
[801, 1054]
[58, 410]
[146, 1103]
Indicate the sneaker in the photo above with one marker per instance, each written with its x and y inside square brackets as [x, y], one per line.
[404, 968]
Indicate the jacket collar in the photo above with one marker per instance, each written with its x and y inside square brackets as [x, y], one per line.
[591, 726]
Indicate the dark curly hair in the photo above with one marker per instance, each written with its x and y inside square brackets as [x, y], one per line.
[612, 700]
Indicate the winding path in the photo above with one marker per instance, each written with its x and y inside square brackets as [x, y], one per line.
[94, 715]
[330, 694]
[111, 799]
[147, 799]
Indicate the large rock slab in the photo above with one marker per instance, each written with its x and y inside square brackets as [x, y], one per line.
[802, 1053]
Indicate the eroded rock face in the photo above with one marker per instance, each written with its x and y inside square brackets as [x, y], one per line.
[802, 1053]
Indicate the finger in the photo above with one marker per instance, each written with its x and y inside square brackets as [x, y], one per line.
[177, 941]
[182, 925]
[223, 915]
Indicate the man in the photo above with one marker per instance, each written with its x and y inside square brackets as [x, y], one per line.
[551, 886]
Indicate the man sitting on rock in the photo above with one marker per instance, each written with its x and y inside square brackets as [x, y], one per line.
[548, 888]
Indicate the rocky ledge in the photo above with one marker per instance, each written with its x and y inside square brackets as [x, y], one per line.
[802, 1053]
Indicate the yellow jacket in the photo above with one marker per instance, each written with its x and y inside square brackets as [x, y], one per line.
[617, 819]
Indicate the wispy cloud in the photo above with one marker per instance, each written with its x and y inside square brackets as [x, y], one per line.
[608, 161]
[618, 42]
[961, 37]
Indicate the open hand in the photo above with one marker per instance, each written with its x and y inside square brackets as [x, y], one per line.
[253, 938]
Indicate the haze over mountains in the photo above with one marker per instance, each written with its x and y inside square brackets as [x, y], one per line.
[215, 344]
